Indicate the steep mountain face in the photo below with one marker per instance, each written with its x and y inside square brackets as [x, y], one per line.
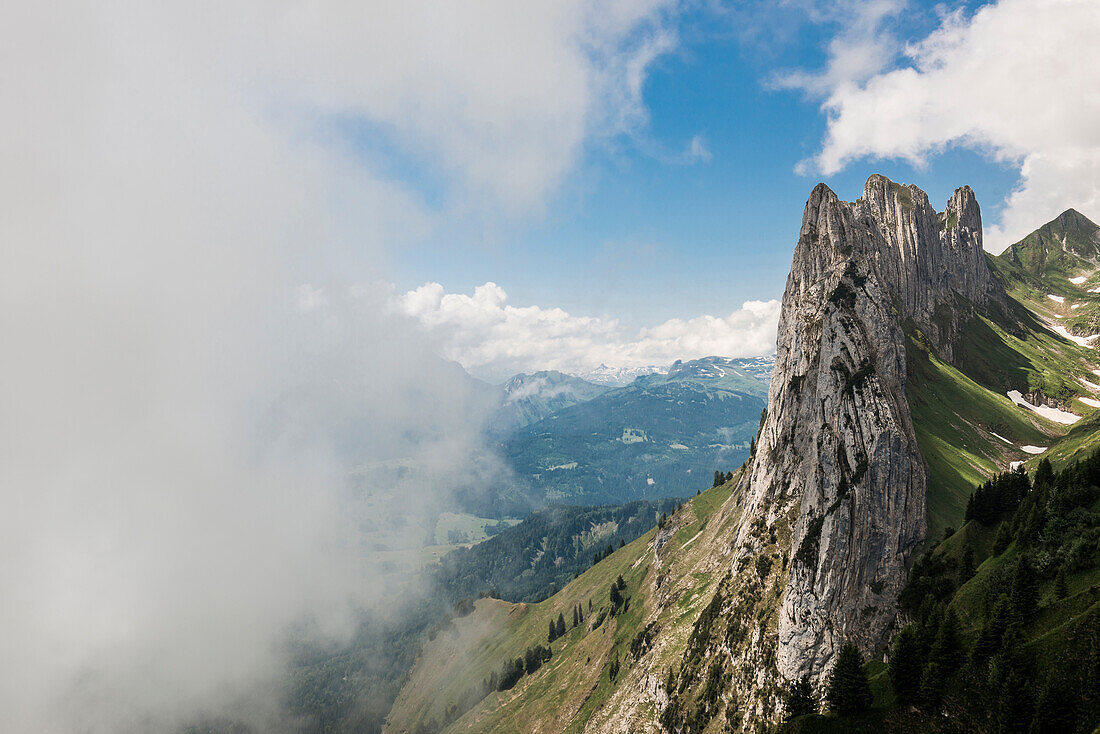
[837, 456]
[528, 398]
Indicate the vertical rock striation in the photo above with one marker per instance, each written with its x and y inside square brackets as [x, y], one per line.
[837, 459]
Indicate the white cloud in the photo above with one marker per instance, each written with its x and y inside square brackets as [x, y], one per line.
[493, 339]
[1013, 81]
[500, 95]
[862, 47]
[178, 415]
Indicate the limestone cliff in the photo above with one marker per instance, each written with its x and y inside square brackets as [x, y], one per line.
[837, 459]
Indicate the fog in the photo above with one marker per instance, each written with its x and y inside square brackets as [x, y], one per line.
[200, 366]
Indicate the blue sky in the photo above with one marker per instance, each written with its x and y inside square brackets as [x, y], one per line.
[622, 181]
[639, 233]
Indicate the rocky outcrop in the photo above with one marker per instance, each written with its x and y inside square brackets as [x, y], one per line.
[837, 459]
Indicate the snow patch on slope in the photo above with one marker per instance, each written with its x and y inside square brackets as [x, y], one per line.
[1057, 299]
[1084, 341]
[1079, 279]
[1052, 414]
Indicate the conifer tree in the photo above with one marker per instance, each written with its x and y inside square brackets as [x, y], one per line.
[1055, 710]
[933, 683]
[944, 659]
[1061, 589]
[1044, 474]
[947, 650]
[967, 569]
[560, 629]
[800, 699]
[992, 633]
[1016, 704]
[905, 666]
[1002, 540]
[717, 478]
[616, 597]
[1025, 591]
[848, 691]
[553, 633]
[1029, 531]
[928, 624]
[574, 615]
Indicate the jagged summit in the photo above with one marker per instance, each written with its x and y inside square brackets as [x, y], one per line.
[927, 259]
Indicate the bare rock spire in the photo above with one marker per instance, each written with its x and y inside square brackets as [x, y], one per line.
[837, 460]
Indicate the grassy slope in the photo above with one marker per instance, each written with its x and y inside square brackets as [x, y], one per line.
[955, 419]
[574, 685]
[956, 410]
[1037, 266]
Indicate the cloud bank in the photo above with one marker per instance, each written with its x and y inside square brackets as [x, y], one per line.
[177, 429]
[1012, 82]
[495, 340]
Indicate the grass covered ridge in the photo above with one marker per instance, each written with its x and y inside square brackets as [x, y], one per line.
[588, 667]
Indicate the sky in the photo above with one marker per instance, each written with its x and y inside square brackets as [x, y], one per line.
[244, 242]
[685, 207]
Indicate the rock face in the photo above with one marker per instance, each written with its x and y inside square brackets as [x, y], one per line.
[837, 458]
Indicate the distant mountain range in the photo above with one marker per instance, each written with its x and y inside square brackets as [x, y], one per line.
[528, 398]
[618, 376]
[663, 435]
[622, 376]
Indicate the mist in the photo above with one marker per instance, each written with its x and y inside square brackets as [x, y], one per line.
[202, 375]
[178, 424]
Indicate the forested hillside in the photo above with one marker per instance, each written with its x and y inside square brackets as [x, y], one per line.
[532, 560]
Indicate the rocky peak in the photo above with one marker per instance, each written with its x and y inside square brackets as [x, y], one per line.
[837, 468]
